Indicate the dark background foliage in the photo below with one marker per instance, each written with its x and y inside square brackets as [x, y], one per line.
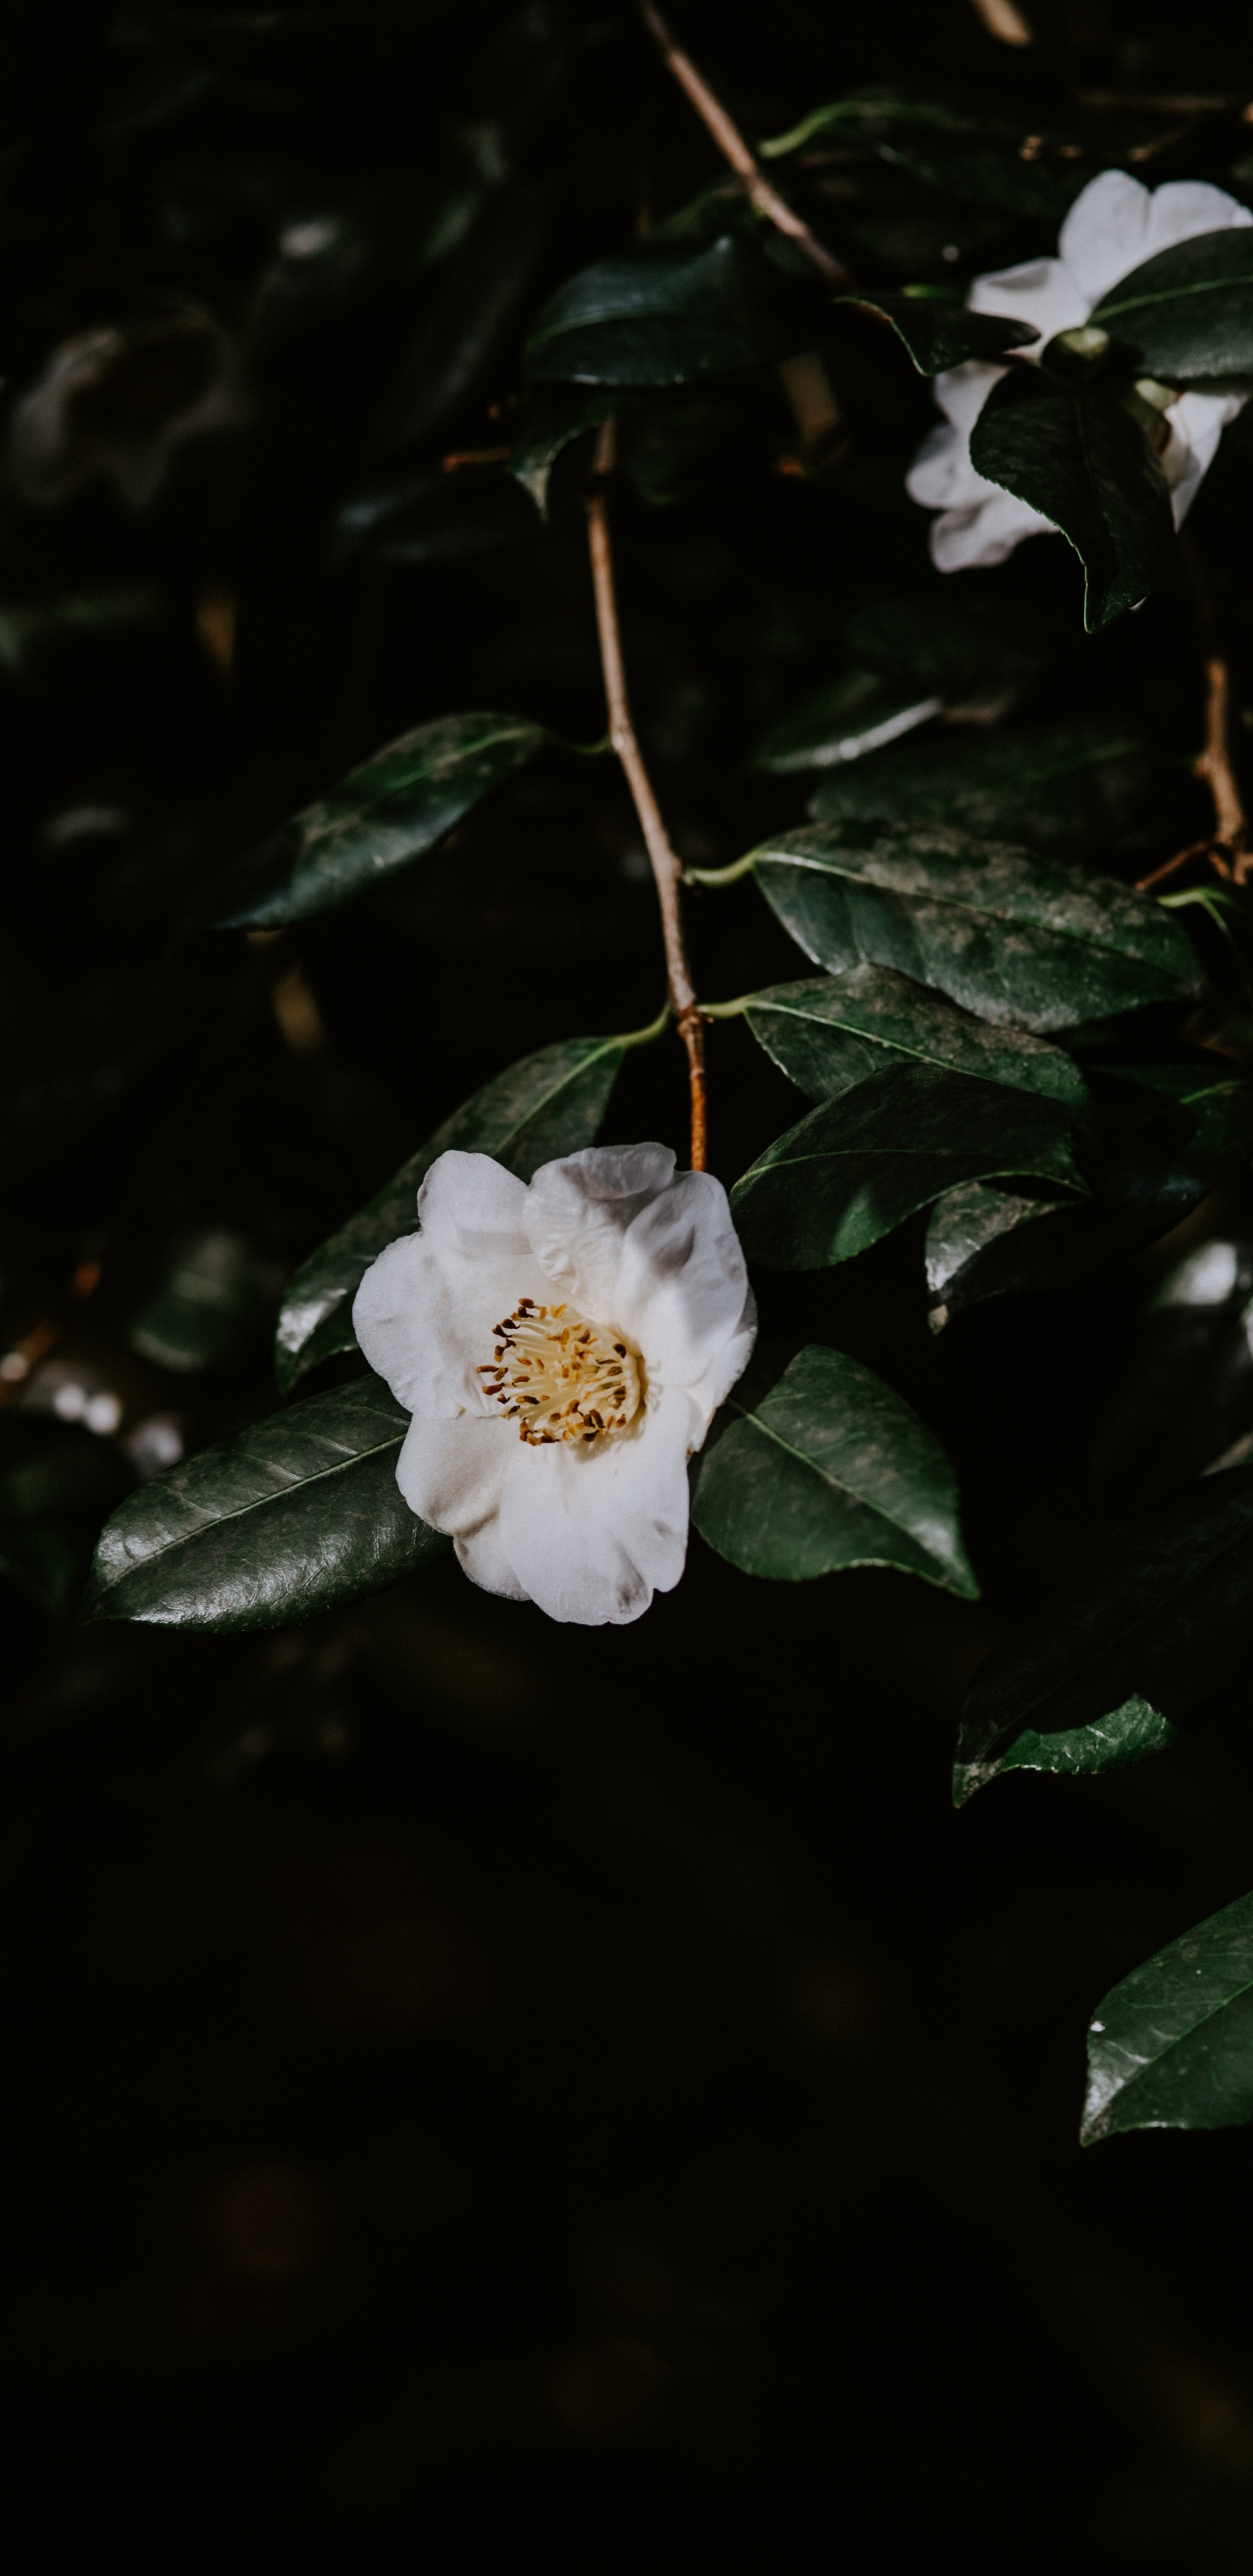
[477, 2089]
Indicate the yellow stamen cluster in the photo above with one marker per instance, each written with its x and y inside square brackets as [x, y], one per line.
[559, 1377]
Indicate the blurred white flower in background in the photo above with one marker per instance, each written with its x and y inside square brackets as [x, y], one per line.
[113, 403]
[1114, 225]
[562, 1348]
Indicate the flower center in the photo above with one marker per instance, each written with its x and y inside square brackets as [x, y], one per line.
[559, 1377]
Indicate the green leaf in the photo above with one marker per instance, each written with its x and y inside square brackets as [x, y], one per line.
[381, 817]
[661, 319]
[1063, 789]
[549, 1104]
[938, 331]
[553, 416]
[1188, 312]
[928, 639]
[1008, 936]
[1144, 1639]
[827, 1468]
[850, 717]
[297, 1513]
[432, 518]
[858, 1166]
[1166, 1135]
[828, 1032]
[1078, 457]
[1171, 2047]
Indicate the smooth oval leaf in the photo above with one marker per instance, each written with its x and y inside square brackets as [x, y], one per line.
[662, 319]
[1188, 312]
[296, 1513]
[858, 1166]
[1144, 1639]
[548, 1104]
[1171, 2047]
[1079, 458]
[381, 817]
[553, 416]
[846, 720]
[827, 1032]
[1064, 789]
[830, 1468]
[938, 331]
[1007, 935]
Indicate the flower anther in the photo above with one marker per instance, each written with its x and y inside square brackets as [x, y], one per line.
[1114, 225]
[558, 1464]
[559, 1377]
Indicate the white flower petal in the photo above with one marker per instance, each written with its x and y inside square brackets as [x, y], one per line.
[482, 1556]
[712, 1389]
[423, 1316]
[453, 1474]
[473, 1205]
[985, 532]
[961, 392]
[578, 1211]
[1196, 425]
[1043, 292]
[592, 1534]
[1183, 208]
[682, 1282]
[1107, 232]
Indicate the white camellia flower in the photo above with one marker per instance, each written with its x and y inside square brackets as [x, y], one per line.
[562, 1348]
[1112, 227]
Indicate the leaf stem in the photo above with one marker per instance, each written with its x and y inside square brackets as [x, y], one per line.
[666, 866]
[731, 144]
[727, 1010]
[655, 1029]
[720, 876]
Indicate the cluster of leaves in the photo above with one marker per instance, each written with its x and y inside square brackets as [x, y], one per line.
[334, 384]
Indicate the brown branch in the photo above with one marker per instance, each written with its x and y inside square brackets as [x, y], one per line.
[734, 149]
[666, 866]
[1227, 847]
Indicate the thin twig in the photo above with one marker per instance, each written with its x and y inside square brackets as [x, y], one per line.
[1227, 847]
[734, 149]
[667, 870]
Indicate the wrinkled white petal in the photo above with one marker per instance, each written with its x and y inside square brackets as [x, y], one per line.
[682, 1281]
[985, 532]
[578, 1212]
[423, 1316]
[1043, 292]
[481, 1555]
[714, 1387]
[1113, 226]
[592, 1534]
[472, 1205]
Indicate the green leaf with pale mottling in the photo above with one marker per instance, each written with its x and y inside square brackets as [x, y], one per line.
[827, 1032]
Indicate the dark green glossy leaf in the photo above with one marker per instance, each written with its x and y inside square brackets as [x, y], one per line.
[938, 331]
[857, 1166]
[828, 1032]
[1077, 456]
[554, 415]
[1001, 182]
[850, 717]
[549, 1104]
[381, 817]
[1188, 312]
[1171, 2047]
[830, 1468]
[293, 1515]
[662, 319]
[1061, 789]
[1010, 937]
[1144, 1639]
[1165, 1135]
